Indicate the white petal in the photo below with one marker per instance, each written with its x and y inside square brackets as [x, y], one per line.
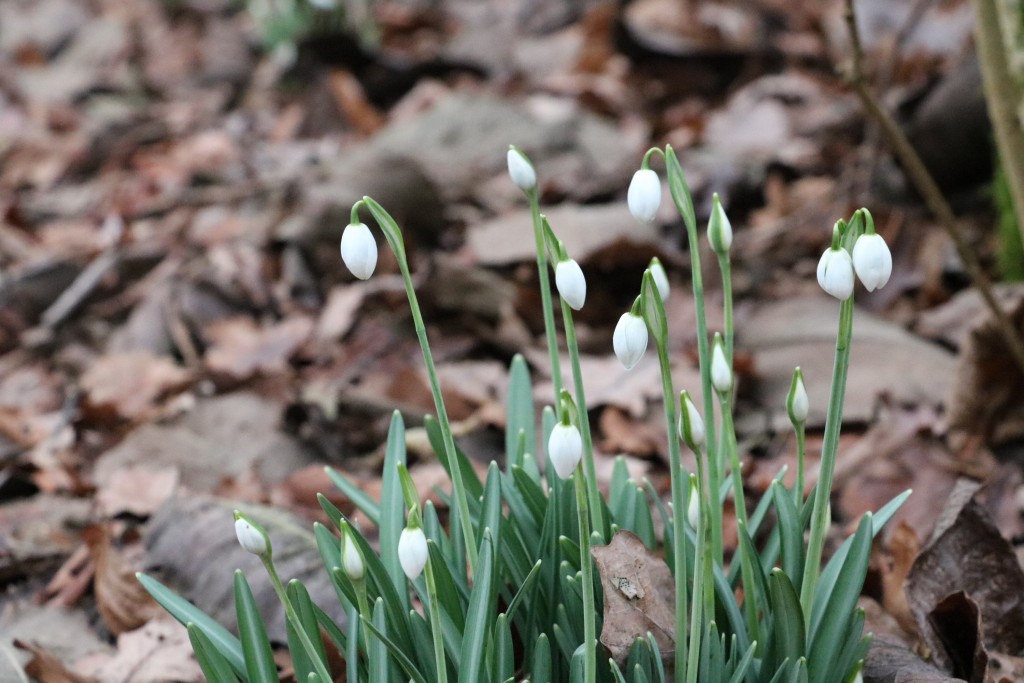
[630, 339]
[352, 561]
[521, 171]
[697, 434]
[660, 279]
[249, 537]
[572, 286]
[721, 373]
[872, 260]
[835, 273]
[412, 552]
[693, 508]
[565, 448]
[359, 250]
[799, 403]
[719, 229]
[644, 195]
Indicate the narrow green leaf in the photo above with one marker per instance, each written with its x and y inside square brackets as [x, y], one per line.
[392, 519]
[520, 412]
[259, 657]
[299, 597]
[787, 638]
[531, 492]
[215, 666]
[525, 589]
[791, 533]
[744, 665]
[679, 190]
[480, 615]
[378, 663]
[474, 487]
[490, 509]
[185, 612]
[452, 599]
[540, 669]
[352, 651]
[366, 505]
[502, 665]
[333, 631]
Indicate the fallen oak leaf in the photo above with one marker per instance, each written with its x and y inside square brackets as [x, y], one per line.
[639, 596]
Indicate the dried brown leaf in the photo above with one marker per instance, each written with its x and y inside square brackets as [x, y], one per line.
[159, 651]
[136, 489]
[639, 596]
[130, 385]
[241, 348]
[122, 601]
[890, 661]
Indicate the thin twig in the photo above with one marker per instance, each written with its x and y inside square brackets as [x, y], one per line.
[926, 186]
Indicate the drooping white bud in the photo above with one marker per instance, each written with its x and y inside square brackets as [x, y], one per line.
[412, 552]
[660, 278]
[521, 170]
[572, 286]
[691, 424]
[565, 448]
[359, 250]
[251, 537]
[693, 505]
[872, 260]
[630, 339]
[721, 373]
[835, 273]
[351, 558]
[797, 403]
[644, 195]
[719, 228]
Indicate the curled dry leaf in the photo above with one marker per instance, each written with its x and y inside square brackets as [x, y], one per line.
[130, 385]
[122, 601]
[639, 596]
[890, 661]
[241, 348]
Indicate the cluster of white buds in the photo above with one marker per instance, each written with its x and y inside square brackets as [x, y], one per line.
[565, 448]
[572, 286]
[412, 551]
[871, 261]
[644, 195]
[359, 250]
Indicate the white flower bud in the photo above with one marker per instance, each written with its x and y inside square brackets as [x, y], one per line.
[691, 425]
[693, 506]
[521, 170]
[359, 250]
[351, 558]
[572, 286]
[835, 273]
[660, 278]
[644, 195]
[412, 552]
[721, 373]
[872, 260]
[565, 448]
[797, 403]
[719, 229]
[630, 339]
[251, 538]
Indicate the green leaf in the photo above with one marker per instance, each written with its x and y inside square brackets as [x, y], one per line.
[519, 424]
[392, 506]
[502, 665]
[185, 612]
[377, 648]
[787, 639]
[472, 483]
[744, 664]
[540, 669]
[392, 233]
[791, 533]
[452, 599]
[353, 492]
[215, 666]
[532, 494]
[352, 651]
[654, 310]
[472, 667]
[490, 509]
[525, 588]
[259, 658]
[853, 649]
[299, 597]
[759, 591]
[333, 631]
[679, 190]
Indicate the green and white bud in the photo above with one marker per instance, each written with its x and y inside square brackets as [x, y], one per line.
[565, 448]
[693, 505]
[351, 557]
[644, 195]
[521, 170]
[797, 403]
[835, 273]
[251, 536]
[413, 551]
[721, 372]
[359, 250]
[691, 425]
[660, 278]
[719, 228]
[571, 284]
[630, 339]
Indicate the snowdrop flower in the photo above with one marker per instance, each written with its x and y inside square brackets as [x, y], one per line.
[797, 404]
[521, 170]
[719, 228]
[359, 250]
[644, 195]
[693, 506]
[660, 278]
[721, 373]
[351, 557]
[251, 536]
[691, 425]
[412, 551]
[835, 273]
[872, 260]
[572, 286]
[630, 339]
[565, 448]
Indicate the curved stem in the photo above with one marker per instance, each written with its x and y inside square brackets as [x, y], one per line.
[293, 619]
[593, 495]
[435, 624]
[819, 514]
[586, 566]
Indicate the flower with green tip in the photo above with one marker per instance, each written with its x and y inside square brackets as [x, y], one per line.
[872, 261]
[835, 273]
[571, 284]
[630, 339]
[351, 557]
[251, 536]
[521, 170]
[660, 278]
[565, 448]
[719, 228]
[721, 373]
[644, 195]
[412, 551]
[359, 250]
[693, 506]
[797, 403]
[691, 425]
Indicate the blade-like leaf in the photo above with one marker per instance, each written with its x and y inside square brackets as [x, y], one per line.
[259, 657]
[479, 616]
[215, 666]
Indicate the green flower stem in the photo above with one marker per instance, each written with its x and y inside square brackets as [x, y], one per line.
[293, 619]
[435, 624]
[678, 510]
[819, 514]
[394, 237]
[725, 266]
[703, 595]
[740, 503]
[593, 495]
[586, 566]
[681, 198]
[801, 449]
[545, 294]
